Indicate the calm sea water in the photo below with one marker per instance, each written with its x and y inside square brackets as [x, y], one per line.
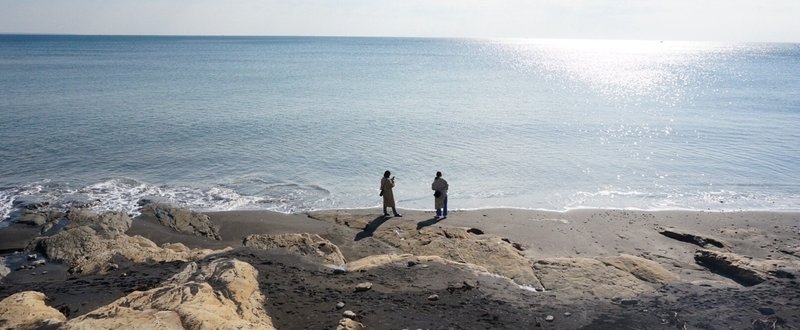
[292, 124]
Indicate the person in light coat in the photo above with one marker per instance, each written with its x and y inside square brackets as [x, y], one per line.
[440, 186]
[388, 196]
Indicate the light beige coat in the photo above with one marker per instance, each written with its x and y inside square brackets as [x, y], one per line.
[388, 195]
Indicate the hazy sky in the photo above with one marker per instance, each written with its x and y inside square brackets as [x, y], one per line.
[723, 20]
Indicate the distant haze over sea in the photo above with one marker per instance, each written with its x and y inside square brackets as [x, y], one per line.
[298, 123]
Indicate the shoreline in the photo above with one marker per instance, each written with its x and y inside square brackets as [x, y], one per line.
[488, 268]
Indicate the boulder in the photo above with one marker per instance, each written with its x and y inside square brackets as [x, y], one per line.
[311, 245]
[108, 224]
[85, 251]
[349, 324]
[223, 294]
[38, 218]
[27, 310]
[182, 220]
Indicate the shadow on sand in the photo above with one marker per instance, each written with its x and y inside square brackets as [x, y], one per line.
[370, 228]
[429, 222]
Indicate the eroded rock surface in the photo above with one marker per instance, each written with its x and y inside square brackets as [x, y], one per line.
[349, 324]
[222, 294]
[182, 220]
[312, 245]
[39, 218]
[108, 224]
[745, 270]
[407, 260]
[85, 250]
[622, 276]
[645, 270]
[459, 244]
[27, 310]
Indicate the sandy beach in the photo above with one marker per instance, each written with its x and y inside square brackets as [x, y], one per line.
[352, 269]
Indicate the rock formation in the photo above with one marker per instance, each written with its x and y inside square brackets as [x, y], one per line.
[107, 224]
[90, 241]
[349, 324]
[27, 310]
[39, 218]
[222, 294]
[645, 270]
[745, 270]
[312, 245]
[182, 220]
[693, 238]
[458, 244]
[622, 277]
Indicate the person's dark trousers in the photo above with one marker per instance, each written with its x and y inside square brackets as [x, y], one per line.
[439, 212]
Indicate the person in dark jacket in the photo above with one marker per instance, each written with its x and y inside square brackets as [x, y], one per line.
[440, 186]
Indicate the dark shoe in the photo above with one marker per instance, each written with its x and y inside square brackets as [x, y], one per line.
[386, 214]
[398, 215]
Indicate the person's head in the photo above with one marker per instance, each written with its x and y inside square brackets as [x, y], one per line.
[387, 174]
[438, 174]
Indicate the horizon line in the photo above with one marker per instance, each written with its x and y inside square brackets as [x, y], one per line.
[372, 37]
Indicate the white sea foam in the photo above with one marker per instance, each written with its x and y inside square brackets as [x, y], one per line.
[124, 195]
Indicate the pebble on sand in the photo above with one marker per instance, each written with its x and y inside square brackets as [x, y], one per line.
[433, 297]
[349, 314]
[365, 286]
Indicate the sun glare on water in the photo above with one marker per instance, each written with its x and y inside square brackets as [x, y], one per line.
[619, 69]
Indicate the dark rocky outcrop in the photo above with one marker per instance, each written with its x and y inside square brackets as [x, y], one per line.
[733, 266]
[108, 224]
[182, 220]
[696, 239]
[39, 218]
[745, 270]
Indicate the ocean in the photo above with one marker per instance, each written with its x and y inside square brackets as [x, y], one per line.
[292, 124]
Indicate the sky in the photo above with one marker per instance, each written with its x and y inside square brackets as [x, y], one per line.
[704, 20]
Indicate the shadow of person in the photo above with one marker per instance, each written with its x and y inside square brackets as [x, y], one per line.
[370, 228]
[429, 222]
